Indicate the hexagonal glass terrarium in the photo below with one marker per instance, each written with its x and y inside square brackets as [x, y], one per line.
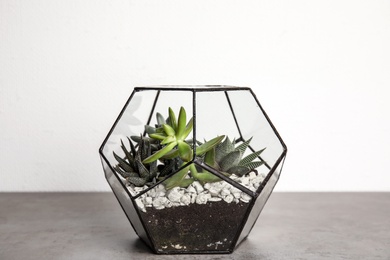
[192, 166]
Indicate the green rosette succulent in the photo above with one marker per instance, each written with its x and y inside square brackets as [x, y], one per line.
[171, 135]
[227, 158]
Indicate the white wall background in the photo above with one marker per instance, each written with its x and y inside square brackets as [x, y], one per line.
[321, 70]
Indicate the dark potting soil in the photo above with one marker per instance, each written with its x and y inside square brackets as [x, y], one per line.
[195, 228]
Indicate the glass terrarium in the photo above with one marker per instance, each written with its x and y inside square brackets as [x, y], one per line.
[192, 166]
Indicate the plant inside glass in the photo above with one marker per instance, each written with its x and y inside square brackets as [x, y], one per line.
[189, 194]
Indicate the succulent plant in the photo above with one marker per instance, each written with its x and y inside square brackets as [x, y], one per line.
[166, 150]
[227, 158]
[172, 134]
[131, 167]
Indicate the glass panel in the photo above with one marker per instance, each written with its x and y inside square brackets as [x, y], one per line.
[260, 202]
[126, 202]
[213, 116]
[130, 123]
[174, 99]
[253, 124]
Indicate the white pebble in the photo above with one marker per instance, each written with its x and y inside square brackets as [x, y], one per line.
[245, 197]
[202, 198]
[193, 197]
[185, 199]
[148, 201]
[160, 188]
[168, 204]
[214, 191]
[161, 194]
[244, 181]
[237, 195]
[229, 198]
[190, 189]
[235, 190]
[252, 175]
[140, 205]
[138, 189]
[215, 199]
[199, 188]
[207, 186]
[225, 192]
[152, 193]
[233, 177]
[159, 203]
[174, 195]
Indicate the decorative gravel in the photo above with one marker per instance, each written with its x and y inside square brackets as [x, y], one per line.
[160, 198]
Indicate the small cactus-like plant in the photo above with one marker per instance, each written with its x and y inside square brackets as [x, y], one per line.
[172, 136]
[131, 167]
[227, 158]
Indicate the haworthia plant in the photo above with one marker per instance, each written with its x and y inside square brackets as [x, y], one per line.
[131, 167]
[227, 158]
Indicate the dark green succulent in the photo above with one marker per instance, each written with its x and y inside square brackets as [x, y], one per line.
[227, 158]
[131, 167]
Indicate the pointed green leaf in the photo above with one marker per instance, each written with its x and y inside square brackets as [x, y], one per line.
[172, 118]
[121, 172]
[158, 136]
[250, 157]
[171, 154]
[160, 119]
[209, 158]
[176, 178]
[185, 183]
[143, 171]
[242, 147]
[208, 145]
[185, 151]
[135, 138]
[223, 149]
[157, 155]
[253, 165]
[137, 181]
[129, 157]
[230, 160]
[181, 124]
[150, 129]
[132, 147]
[123, 164]
[169, 130]
[169, 139]
[188, 128]
[153, 169]
[203, 177]
[144, 148]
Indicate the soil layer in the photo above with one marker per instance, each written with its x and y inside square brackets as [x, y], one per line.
[195, 228]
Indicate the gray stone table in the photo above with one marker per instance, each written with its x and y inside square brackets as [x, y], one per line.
[291, 226]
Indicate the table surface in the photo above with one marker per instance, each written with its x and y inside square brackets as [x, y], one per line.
[291, 226]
